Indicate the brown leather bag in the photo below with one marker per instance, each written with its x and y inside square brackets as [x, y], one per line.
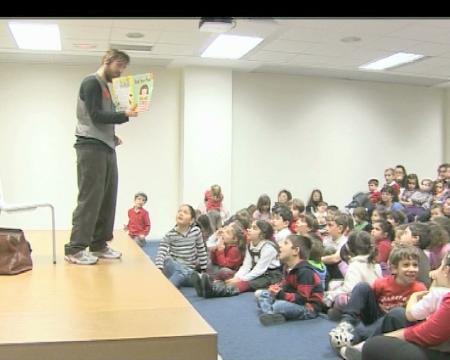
[15, 252]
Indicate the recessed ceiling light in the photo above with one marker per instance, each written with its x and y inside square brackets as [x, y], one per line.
[36, 36]
[350, 39]
[231, 46]
[391, 61]
[134, 35]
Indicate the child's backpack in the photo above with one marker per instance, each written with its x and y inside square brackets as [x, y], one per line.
[360, 199]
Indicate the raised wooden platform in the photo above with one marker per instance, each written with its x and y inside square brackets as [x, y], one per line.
[114, 310]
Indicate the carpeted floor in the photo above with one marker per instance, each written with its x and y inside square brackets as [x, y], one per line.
[241, 336]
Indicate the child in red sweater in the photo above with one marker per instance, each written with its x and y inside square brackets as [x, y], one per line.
[374, 194]
[138, 220]
[213, 198]
[229, 253]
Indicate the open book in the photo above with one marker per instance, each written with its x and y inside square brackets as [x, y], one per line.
[132, 90]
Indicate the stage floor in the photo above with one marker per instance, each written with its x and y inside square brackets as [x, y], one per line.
[116, 310]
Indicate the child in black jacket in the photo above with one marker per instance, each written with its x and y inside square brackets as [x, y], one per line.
[300, 293]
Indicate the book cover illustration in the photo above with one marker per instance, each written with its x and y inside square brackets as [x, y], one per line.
[133, 91]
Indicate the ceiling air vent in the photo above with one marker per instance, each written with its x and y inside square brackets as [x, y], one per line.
[132, 47]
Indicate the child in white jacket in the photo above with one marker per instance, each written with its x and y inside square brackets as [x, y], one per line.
[362, 267]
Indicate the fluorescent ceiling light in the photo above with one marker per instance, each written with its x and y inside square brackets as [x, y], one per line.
[231, 46]
[391, 61]
[33, 36]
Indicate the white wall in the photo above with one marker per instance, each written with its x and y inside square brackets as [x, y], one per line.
[206, 133]
[37, 158]
[300, 132]
[287, 131]
[446, 126]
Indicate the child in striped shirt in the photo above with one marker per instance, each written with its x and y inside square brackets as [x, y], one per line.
[182, 249]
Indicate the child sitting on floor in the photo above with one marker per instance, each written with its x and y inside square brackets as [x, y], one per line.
[297, 208]
[281, 218]
[182, 249]
[362, 317]
[383, 234]
[360, 218]
[418, 234]
[362, 268]
[315, 258]
[138, 220]
[260, 269]
[299, 295]
[226, 258]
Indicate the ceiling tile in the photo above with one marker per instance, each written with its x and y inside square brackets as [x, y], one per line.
[174, 50]
[423, 32]
[120, 34]
[184, 38]
[271, 56]
[289, 46]
[85, 32]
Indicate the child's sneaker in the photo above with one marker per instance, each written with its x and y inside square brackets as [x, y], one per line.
[82, 257]
[271, 319]
[197, 282]
[341, 335]
[107, 253]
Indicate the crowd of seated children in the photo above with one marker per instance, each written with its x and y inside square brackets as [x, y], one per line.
[358, 269]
